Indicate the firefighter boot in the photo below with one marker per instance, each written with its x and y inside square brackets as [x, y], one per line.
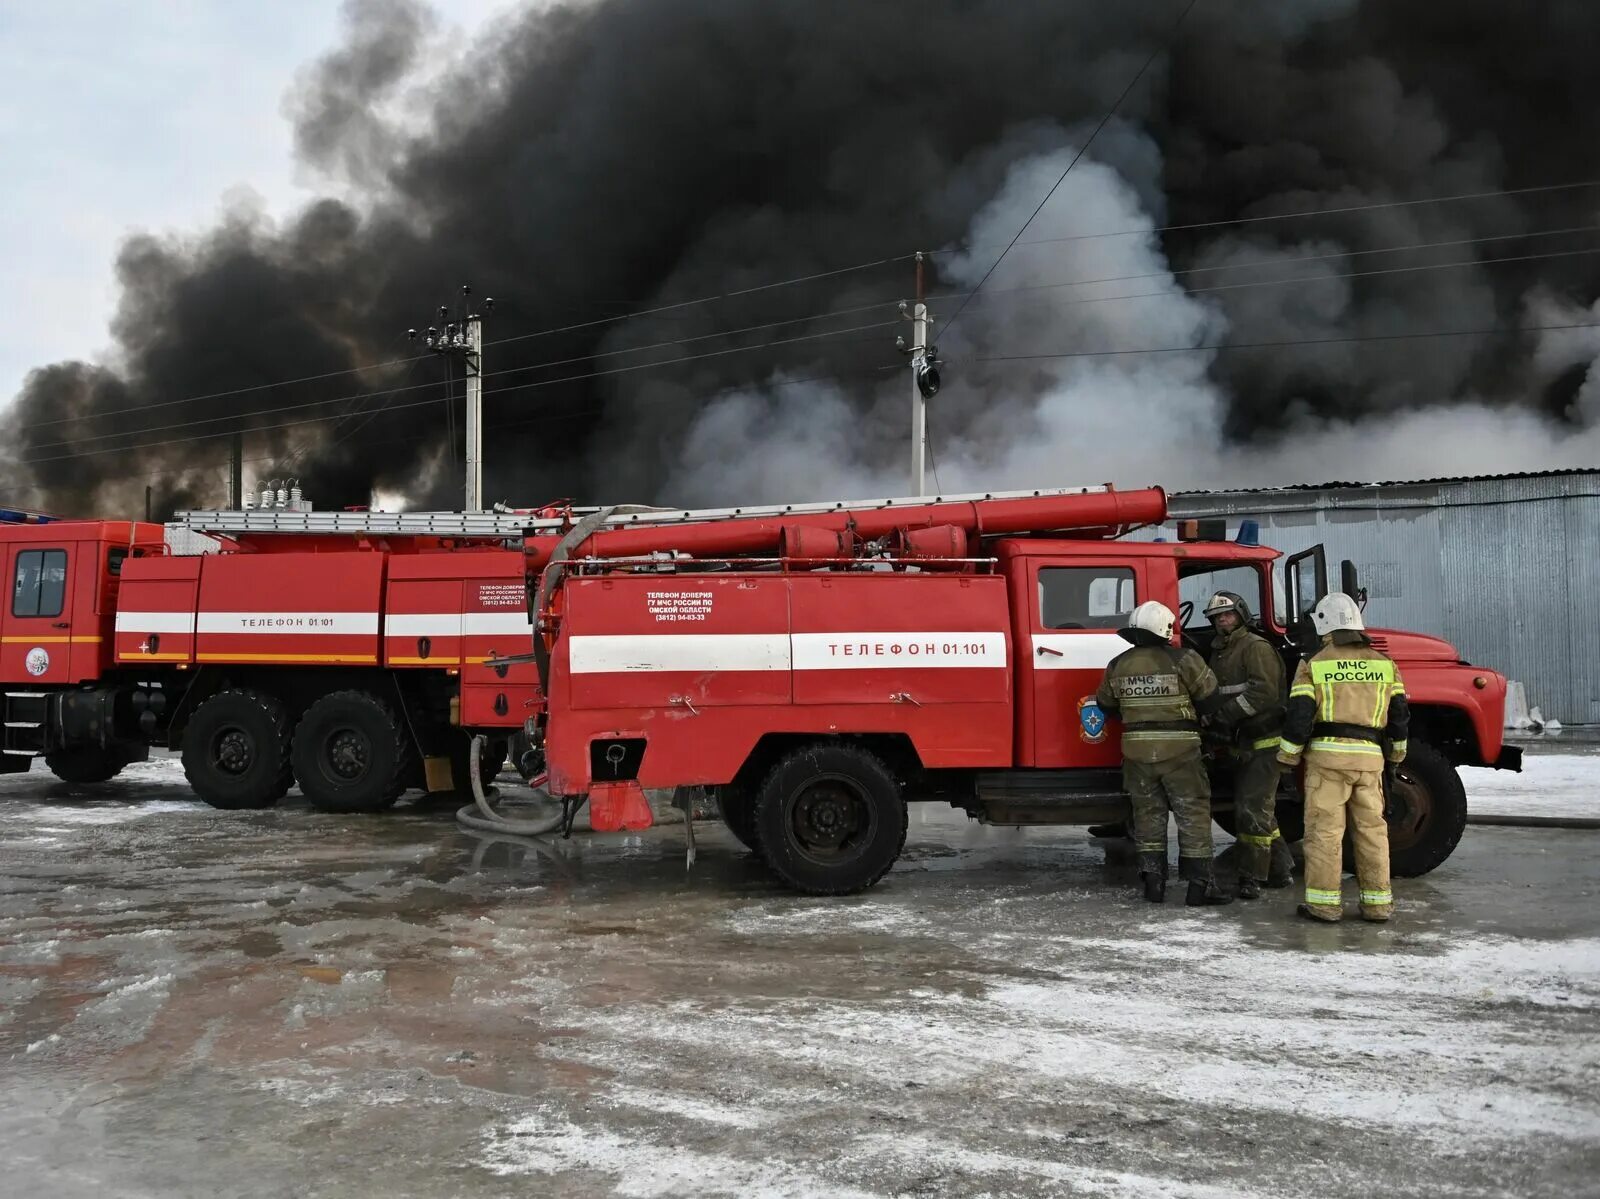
[1153, 873]
[1203, 889]
[1110, 832]
[1281, 873]
[1249, 888]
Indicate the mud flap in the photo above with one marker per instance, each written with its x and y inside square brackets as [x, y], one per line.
[683, 799]
[618, 805]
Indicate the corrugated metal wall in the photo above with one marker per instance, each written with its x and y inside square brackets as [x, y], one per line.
[1507, 569]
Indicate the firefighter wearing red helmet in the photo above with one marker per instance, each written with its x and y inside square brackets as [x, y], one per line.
[1250, 678]
[1348, 717]
[1161, 691]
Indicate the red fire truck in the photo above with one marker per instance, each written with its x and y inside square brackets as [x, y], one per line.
[345, 651]
[818, 667]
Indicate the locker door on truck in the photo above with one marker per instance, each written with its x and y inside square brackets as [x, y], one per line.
[36, 644]
[1076, 609]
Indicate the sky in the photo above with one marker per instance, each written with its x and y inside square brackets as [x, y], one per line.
[118, 118]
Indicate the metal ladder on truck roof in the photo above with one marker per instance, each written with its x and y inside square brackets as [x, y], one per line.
[518, 524]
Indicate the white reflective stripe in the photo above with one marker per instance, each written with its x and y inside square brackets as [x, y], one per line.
[294, 623]
[897, 651]
[1232, 688]
[1246, 706]
[155, 622]
[497, 624]
[422, 624]
[678, 652]
[1076, 651]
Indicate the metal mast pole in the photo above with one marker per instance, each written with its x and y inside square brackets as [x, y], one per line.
[919, 403]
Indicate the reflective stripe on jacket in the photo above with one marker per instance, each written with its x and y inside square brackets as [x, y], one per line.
[1346, 704]
[1159, 691]
[1250, 677]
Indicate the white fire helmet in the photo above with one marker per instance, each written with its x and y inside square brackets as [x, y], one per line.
[1153, 617]
[1334, 612]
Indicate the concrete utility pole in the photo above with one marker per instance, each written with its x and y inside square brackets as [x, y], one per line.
[463, 339]
[924, 383]
[473, 359]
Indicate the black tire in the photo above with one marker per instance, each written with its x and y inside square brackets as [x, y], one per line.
[236, 750]
[87, 764]
[350, 753]
[1428, 812]
[738, 810]
[830, 819]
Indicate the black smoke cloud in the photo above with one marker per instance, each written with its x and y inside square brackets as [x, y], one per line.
[589, 160]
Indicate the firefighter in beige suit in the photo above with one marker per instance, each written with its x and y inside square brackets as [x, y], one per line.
[1347, 715]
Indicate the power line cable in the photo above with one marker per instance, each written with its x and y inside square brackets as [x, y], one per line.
[1288, 342]
[419, 403]
[727, 295]
[1265, 263]
[356, 398]
[1293, 216]
[626, 316]
[1396, 270]
[1082, 150]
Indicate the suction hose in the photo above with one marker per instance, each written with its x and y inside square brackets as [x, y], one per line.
[481, 815]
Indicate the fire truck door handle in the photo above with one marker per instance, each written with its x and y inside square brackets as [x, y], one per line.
[682, 701]
[62, 624]
[1045, 649]
[905, 697]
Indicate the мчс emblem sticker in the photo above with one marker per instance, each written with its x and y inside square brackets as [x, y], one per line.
[1091, 720]
[37, 661]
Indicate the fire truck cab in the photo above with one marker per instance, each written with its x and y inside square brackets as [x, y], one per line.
[56, 630]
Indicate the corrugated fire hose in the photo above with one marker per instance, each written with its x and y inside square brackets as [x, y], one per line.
[480, 814]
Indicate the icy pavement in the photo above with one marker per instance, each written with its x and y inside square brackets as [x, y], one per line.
[288, 1003]
[1550, 784]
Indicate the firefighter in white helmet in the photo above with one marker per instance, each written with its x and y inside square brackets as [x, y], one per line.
[1161, 691]
[1347, 716]
[1250, 678]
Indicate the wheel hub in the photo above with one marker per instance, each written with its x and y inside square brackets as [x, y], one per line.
[348, 754]
[233, 751]
[826, 816]
[1410, 805]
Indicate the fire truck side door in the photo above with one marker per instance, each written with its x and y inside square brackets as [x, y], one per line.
[1305, 581]
[1076, 606]
[36, 644]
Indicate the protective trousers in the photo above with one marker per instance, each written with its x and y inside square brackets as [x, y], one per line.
[1328, 792]
[1255, 805]
[1178, 783]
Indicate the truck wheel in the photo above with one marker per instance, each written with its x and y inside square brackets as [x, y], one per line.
[236, 750]
[738, 811]
[830, 819]
[350, 753]
[87, 764]
[1428, 812]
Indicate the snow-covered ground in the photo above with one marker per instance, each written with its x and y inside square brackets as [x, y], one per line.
[1549, 785]
[196, 1003]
